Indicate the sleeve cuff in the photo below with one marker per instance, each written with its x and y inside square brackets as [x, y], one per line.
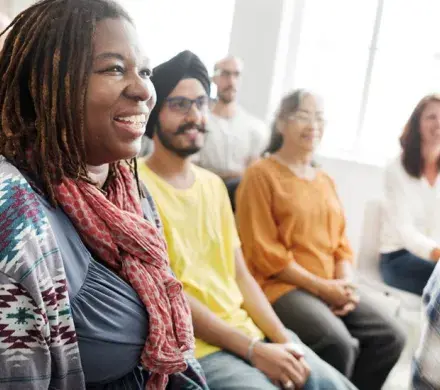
[279, 265]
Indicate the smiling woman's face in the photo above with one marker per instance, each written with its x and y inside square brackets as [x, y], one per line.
[304, 128]
[430, 124]
[120, 95]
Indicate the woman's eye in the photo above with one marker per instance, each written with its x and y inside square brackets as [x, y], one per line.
[114, 69]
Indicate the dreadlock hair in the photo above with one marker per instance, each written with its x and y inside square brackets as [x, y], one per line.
[45, 65]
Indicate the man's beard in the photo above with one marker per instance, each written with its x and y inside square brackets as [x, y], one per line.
[166, 139]
[224, 98]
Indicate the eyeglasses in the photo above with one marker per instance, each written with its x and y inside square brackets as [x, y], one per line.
[227, 73]
[307, 119]
[182, 105]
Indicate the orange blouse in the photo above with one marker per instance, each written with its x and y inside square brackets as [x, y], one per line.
[283, 218]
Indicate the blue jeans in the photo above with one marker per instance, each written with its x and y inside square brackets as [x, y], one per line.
[226, 371]
[405, 271]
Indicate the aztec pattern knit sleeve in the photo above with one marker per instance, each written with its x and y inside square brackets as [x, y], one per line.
[38, 346]
[426, 362]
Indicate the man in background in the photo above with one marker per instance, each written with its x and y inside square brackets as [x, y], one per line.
[233, 321]
[235, 138]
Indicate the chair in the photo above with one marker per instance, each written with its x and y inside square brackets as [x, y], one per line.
[369, 257]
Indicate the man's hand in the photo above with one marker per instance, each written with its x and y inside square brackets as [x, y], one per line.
[282, 363]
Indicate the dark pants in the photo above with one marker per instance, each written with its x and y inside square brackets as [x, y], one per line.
[405, 271]
[364, 345]
[232, 185]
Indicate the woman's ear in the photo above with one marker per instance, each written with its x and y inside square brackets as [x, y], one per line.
[280, 125]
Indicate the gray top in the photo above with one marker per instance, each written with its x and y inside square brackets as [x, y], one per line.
[110, 320]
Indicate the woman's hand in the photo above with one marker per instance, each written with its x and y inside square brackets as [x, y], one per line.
[435, 254]
[336, 293]
[348, 307]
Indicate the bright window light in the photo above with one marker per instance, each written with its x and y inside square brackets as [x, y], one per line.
[170, 26]
[372, 61]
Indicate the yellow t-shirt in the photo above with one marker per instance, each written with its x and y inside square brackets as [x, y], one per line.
[202, 238]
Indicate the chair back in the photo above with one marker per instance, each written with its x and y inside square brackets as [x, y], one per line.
[369, 254]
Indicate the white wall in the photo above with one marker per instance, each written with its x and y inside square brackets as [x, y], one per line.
[13, 7]
[264, 34]
[356, 184]
[254, 37]
[4, 7]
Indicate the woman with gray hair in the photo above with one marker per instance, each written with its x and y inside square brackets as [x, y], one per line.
[292, 228]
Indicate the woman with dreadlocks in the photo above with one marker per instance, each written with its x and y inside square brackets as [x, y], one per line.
[86, 296]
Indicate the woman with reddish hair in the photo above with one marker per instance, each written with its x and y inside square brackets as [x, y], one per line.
[410, 234]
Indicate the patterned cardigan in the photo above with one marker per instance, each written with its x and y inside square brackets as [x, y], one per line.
[38, 343]
[426, 364]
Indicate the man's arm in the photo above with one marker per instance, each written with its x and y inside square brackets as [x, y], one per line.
[279, 362]
[213, 330]
[256, 303]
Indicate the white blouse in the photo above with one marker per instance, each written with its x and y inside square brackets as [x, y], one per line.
[411, 218]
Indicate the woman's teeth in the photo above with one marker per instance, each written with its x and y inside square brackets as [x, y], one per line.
[133, 119]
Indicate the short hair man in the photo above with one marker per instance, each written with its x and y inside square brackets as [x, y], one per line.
[231, 315]
[236, 138]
